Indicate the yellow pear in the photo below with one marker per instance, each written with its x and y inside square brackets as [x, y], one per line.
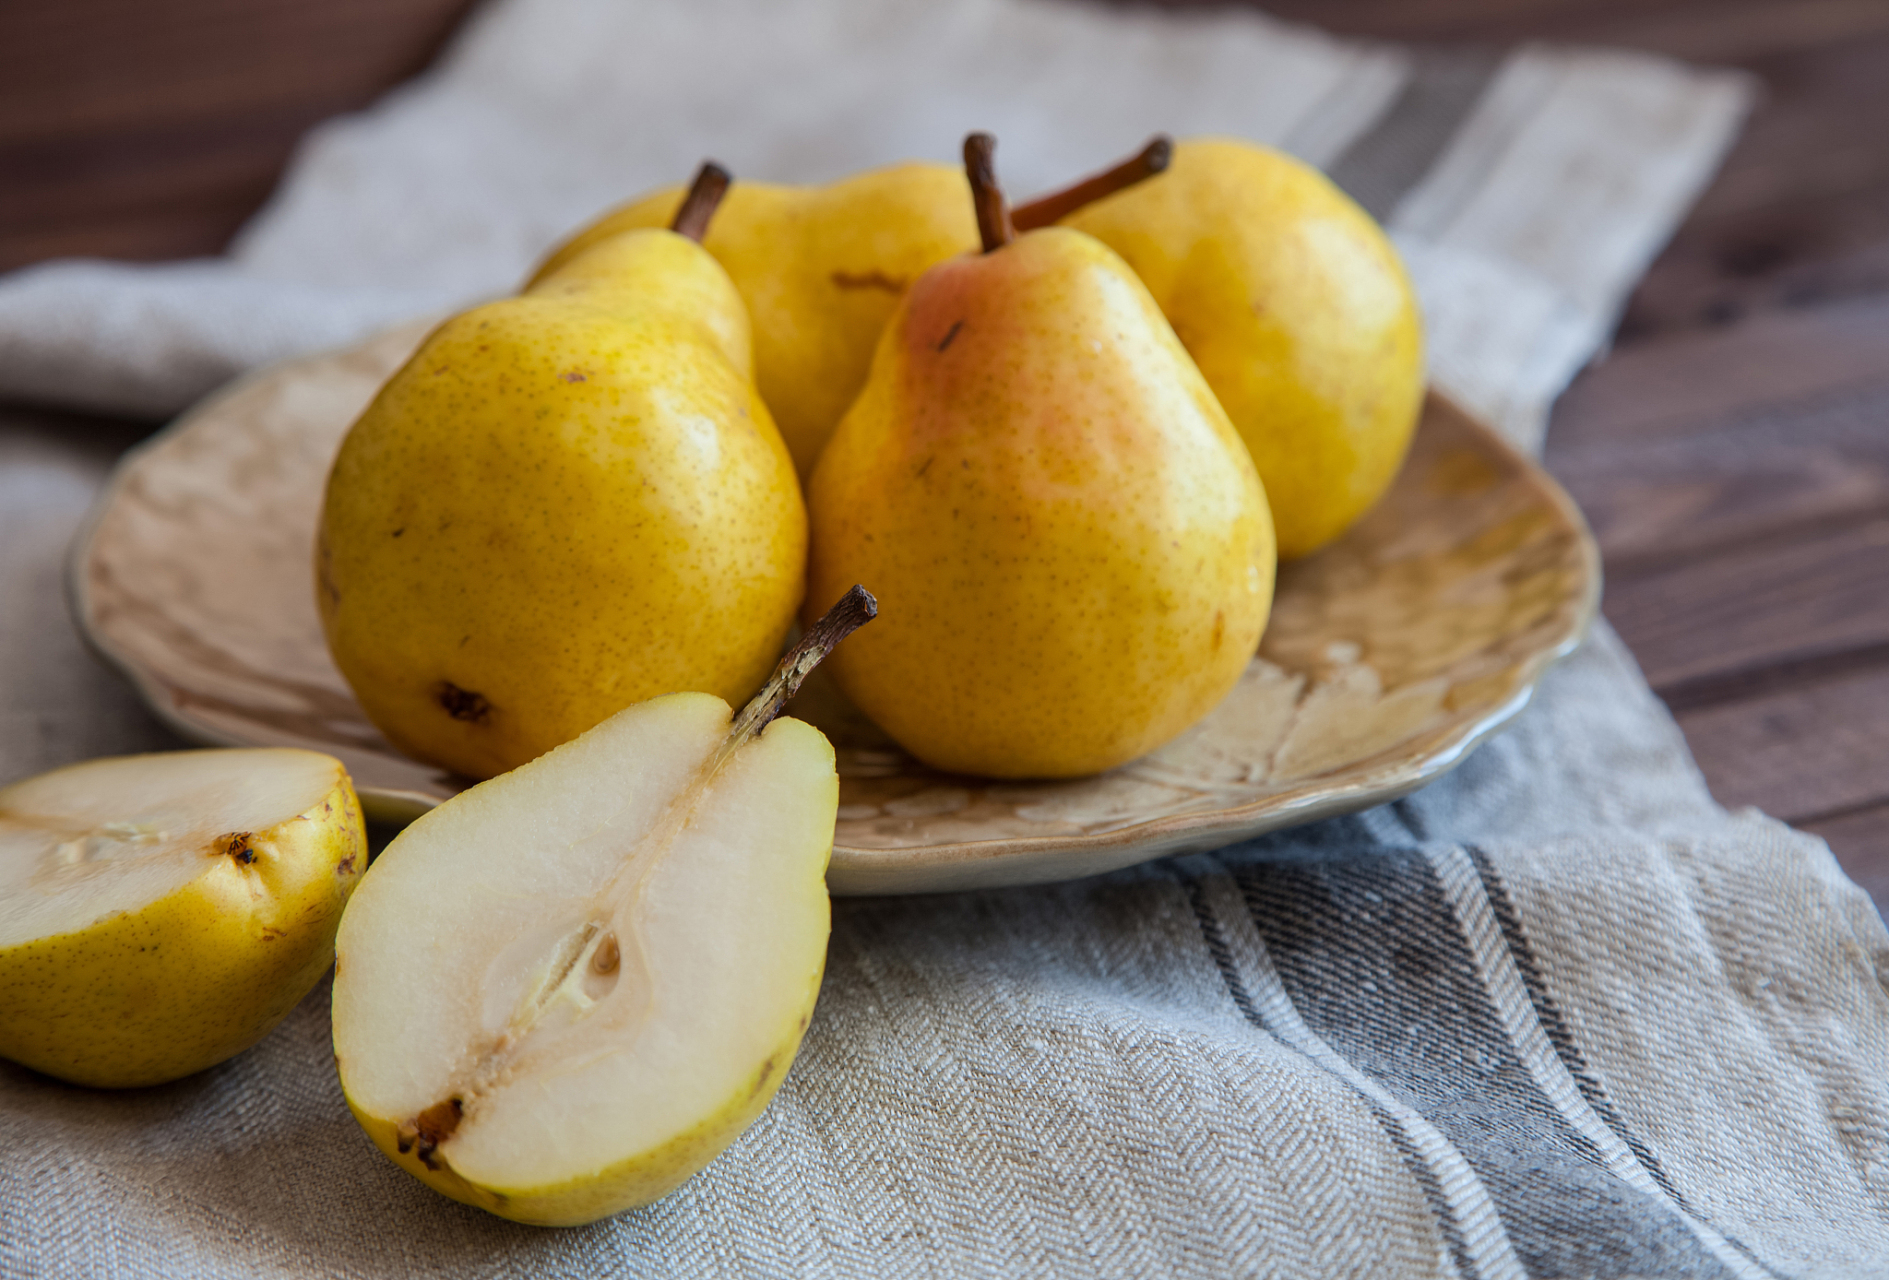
[821, 269]
[564, 503]
[565, 990]
[161, 913]
[1070, 546]
[1295, 306]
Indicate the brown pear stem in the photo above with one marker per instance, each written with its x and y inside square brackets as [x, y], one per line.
[993, 212]
[855, 609]
[705, 193]
[1048, 210]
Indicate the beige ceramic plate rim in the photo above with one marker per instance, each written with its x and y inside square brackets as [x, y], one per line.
[405, 806]
[1189, 833]
[989, 862]
[1197, 832]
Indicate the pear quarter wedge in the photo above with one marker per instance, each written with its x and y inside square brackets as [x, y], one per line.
[161, 913]
[563, 992]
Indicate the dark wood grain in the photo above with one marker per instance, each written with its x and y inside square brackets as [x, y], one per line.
[1744, 482]
[1793, 598]
[1698, 30]
[1800, 754]
[1698, 381]
[1860, 839]
[152, 130]
[1732, 452]
[1799, 216]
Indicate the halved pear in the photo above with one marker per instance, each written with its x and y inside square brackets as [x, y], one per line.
[564, 991]
[160, 913]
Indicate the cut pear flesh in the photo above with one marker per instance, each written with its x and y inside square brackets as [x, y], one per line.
[160, 913]
[567, 989]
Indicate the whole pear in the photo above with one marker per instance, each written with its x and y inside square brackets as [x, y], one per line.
[1295, 306]
[564, 503]
[1070, 546]
[161, 913]
[820, 269]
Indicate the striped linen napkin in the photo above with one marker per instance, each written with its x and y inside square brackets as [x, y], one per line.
[1556, 1015]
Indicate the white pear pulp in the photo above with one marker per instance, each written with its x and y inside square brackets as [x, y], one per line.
[110, 836]
[596, 954]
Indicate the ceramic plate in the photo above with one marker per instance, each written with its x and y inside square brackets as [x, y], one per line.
[1390, 654]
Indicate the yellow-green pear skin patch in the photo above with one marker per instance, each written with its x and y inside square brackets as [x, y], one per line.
[154, 992]
[821, 269]
[1052, 510]
[564, 503]
[1298, 310]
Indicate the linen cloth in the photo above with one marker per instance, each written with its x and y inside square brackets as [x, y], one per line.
[1557, 1014]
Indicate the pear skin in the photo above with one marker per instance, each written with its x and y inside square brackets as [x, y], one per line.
[156, 919]
[1070, 546]
[1296, 307]
[564, 503]
[639, 1179]
[820, 269]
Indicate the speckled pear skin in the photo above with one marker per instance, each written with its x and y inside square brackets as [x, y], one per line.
[821, 269]
[149, 996]
[1296, 307]
[1053, 512]
[564, 503]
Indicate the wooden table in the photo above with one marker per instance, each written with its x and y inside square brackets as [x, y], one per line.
[1732, 452]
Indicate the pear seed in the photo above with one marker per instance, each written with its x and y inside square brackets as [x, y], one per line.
[431, 1128]
[235, 845]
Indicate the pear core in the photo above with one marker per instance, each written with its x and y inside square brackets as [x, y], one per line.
[566, 990]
